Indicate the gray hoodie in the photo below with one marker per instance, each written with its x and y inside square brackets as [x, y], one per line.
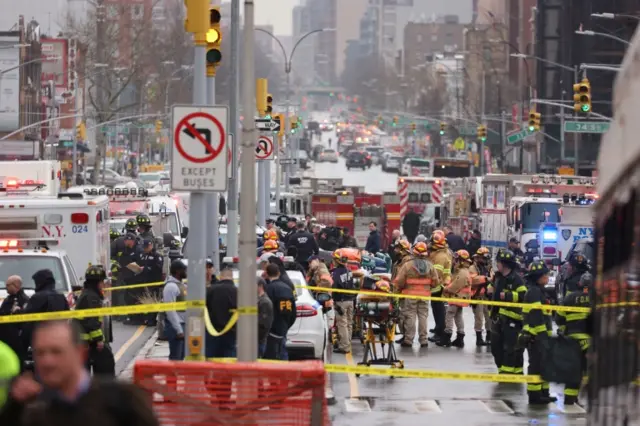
[175, 291]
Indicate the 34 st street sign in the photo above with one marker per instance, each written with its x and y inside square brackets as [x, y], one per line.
[517, 136]
[586, 126]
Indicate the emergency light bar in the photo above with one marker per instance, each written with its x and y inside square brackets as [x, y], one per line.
[229, 259]
[23, 242]
[142, 192]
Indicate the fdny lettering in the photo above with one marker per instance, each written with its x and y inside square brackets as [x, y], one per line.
[285, 305]
[55, 231]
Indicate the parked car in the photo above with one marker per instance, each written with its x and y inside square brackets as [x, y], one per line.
[316, 151]
[151, 179]
[111, 178]
[358, 159]
[392, 164]
[328, 155]
[375, 152]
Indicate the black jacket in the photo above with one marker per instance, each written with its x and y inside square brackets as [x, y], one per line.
[152, 268]
[455, 242]
[92, 331]
[222, 298]
[45, 299]
[343, 279]
[105, 403]
[305, 244]
[473, 245]
[411, 224]
[265, 317]
[10, 333]
[284, 307]
[374, 244]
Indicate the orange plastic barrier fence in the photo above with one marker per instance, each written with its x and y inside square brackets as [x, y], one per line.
[247, 394]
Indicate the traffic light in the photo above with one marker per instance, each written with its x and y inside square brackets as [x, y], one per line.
[395, 121]
[269, 109]
[81, 132]
[482, 132]
[534, 121]
[196, 16]
[413, 127]
[443, 128]
[582, 96]
[214, 38]
[261, 96]
[158, 126]
[294, 123]
[380, 120]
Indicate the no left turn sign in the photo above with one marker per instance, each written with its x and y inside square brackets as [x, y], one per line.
[264, 148]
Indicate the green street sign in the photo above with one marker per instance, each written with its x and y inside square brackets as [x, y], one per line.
[586, 126]
[516, 137]
[468, 131]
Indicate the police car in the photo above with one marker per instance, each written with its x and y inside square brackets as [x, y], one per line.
[307, 337]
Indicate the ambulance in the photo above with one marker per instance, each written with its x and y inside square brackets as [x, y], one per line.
[422, 194]
[40, 177]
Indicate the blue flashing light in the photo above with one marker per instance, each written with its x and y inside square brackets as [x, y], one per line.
[549, 235]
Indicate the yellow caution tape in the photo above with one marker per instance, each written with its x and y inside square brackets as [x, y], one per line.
[454, 300]
[247, 310]
[99, 312]
[215, 333]
[132, 286]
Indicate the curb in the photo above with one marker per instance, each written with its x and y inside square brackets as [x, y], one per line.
[142, 354]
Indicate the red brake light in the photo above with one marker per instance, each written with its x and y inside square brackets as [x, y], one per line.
[12, 183]
[549, 250]
[79, 218]
[306, 311]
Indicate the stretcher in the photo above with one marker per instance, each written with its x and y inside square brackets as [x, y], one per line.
[378, 316]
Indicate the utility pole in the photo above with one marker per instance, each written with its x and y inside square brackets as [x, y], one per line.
[232, 195]
[101, 145]
[484, 116]
[503, 136]
[287, 142]
[520, 77]
[213, 240]
[247, 298]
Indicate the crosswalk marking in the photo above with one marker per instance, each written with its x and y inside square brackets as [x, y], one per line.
[497, 407]
[357, 406]
[428, 406]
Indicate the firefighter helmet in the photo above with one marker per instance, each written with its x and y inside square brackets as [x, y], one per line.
[270, 234]
[143, 220]
[507, 257]
[537, 269]
[113, 234]
[403, 246]
[95, 272]
[482, 252]
[270, 245]
[438, 240]
[131, 225]
[340, 257]
[462, 256]
[420, 249]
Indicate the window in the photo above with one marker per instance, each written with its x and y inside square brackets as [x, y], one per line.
[112, 11]
[72, 272]
[534, 214]
[26, 266]
[137, 11]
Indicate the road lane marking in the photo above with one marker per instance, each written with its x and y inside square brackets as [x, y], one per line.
[353, 382]
[427, 406]
[357, 406]
[128, 343]
[497, 407]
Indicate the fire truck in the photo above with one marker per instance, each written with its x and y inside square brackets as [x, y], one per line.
[460, 207]
[516, 205]
[422, 194]
[354, 210]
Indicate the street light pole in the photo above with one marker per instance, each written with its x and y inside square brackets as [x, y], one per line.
[605, 35]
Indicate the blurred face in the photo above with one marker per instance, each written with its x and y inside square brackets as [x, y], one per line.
[13, 286]
[147, 249]
[129, 243]
[372, 227]
[544, 280]
[209, 273]
[57, 358]
[395, 234]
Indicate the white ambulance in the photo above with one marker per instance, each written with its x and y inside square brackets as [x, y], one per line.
[68, 222]
[42, 177]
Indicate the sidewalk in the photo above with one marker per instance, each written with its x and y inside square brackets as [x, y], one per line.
[153, 349]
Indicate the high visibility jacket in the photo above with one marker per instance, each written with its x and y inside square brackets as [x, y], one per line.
[480, 279]
[537, 322]
[403, 260]
[441, 260]
[9, 368]
[574, 324]
[460, 286]
[514, 291]
[416, 277]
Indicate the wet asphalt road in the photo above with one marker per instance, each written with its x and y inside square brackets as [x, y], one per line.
[382, 401]
[128, 340]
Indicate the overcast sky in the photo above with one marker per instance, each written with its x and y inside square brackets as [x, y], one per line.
[276, 13]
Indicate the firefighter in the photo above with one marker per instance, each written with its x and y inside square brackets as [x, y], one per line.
[131, 225]
[343, 279]
[151, 262]
[537, 327]
[578, 265]
[402, 254]
[416, 277]
[509, 287]
[100, 357]
[318, 274]
[114, 235]
[459, 288]
[270, 246]
[575, 326]
[144, 228]
[440, 256]
[480, 278]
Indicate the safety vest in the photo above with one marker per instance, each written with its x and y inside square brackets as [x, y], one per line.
[417, 284]
[9, 368]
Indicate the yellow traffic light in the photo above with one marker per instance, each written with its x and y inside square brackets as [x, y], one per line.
[261, 96]
[482, 132]
[158, 126]
[81, 132]
[196, 16]
[294, 123]
[395, 121]
[269, 108]
[380, 120]
[582, 96]
[214, 38]
[443, 128]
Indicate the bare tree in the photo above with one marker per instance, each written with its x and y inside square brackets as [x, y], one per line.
[120, 57]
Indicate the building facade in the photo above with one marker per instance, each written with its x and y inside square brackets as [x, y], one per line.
[423, 40]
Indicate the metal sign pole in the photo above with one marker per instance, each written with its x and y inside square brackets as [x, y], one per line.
[261, 185]
[213, 240]
[267, 186]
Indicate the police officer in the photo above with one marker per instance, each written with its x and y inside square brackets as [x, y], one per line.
[343, 279]
[440, 256]
[459, 288]
[481, 275]
[100, 356]
[127, 257]
[416, 276]
[575, 326]
[144, 227]
[304, 243]
[537, 328]
[151, 263]
[578, 265]
[509, 287]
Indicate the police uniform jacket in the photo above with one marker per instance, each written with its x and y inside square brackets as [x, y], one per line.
[151, 263]
[343, 279]
[305, 244]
